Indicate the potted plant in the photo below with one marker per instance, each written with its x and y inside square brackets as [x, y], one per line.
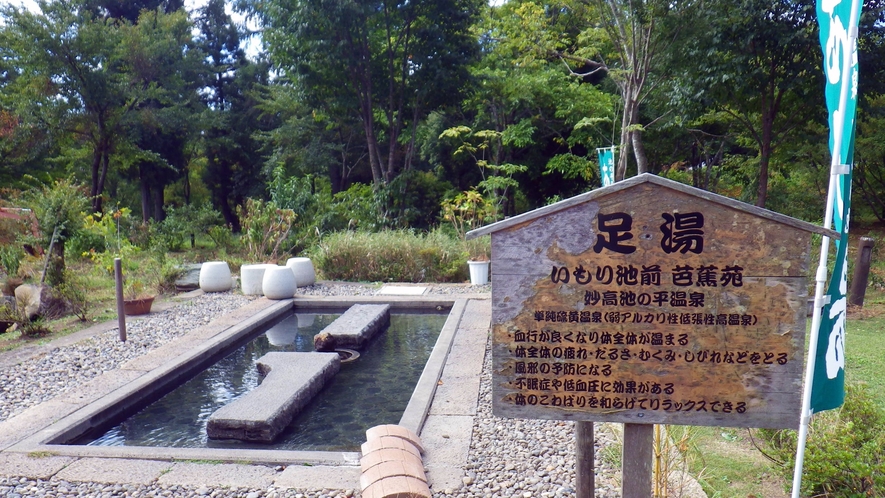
[479, 269]
[466, 211]
[8, 316]
[137, 300]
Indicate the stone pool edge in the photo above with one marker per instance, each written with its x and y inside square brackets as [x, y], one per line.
[81, 417]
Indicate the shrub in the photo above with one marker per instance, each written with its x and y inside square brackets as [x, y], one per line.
[75, 291]
[222, 236]
[392, 256]
[109, 228]
[415, 197]
[265, 228]
[843, 453]
[58, 207]
[182, 224]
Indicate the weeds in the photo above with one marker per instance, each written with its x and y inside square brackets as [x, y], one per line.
[392, 256]
[843, 455]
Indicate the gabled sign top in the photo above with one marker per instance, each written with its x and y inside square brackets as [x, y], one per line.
[660, 181]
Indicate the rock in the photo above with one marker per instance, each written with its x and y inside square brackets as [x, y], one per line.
[28, 297]
[324, 341]
[190, 278]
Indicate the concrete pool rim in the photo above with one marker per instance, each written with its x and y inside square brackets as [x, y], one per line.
[48, 439]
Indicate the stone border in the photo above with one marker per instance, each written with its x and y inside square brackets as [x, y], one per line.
[167, 365]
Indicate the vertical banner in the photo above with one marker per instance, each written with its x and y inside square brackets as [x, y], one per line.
[606, 165]
[838, 21]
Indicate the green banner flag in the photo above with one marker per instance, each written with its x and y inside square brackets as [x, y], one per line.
[606, 165]
[837, 21]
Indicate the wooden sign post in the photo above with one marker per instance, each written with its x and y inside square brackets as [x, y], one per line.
[649, 302]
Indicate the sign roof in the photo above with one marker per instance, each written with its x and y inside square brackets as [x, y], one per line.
[663, 182]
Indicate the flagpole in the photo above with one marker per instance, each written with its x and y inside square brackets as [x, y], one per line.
[836, 170]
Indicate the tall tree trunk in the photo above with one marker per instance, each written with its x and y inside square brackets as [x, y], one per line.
[764, 159]
[157, 198]
[768, 117]
[145, 197]
[367, 117]
[94, 193]
[102, 175]
[639, 153]
[626, 143]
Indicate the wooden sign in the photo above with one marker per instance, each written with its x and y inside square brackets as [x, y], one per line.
[650, 302]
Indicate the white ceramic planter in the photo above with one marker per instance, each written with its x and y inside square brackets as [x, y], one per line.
[479, 272]
[278, 283]
[303, 270]
[215, 277]
[252, 278]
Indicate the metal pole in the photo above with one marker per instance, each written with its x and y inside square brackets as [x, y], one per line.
[584, 455]
[121, 315]
[836, 169]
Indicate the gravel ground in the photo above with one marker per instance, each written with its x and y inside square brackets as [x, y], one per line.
[508, 458]
[523, 458]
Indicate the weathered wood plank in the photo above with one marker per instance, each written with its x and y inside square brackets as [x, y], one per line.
[585, 478]
[637, 458]
[650, 305]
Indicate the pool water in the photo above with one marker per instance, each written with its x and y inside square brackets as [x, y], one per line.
[370, 391]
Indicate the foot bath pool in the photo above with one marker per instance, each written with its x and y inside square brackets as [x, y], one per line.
[372, 390]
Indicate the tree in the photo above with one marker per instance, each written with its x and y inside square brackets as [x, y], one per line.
[529, 109]
[761, 67]
[160, 56]
[385, 62]
[130, 10]
[84, 78]
[70, 79]
[233, 117]
[163, 61]
[629, 41]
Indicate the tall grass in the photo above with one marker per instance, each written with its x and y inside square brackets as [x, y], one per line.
[392, 256]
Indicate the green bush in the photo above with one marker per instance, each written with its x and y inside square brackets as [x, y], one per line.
[75, 291]
[318, 211]
[843, 453]
[182, 224]
[11, 258]
[392, 256]
[266, 229]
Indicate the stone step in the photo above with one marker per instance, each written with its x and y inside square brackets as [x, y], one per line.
[354, 328]
[189, 279]
[292, 380]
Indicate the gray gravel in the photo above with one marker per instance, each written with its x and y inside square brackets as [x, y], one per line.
[523, 458]
[508, 458]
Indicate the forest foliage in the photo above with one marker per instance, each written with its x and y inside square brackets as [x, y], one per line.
[397, 116]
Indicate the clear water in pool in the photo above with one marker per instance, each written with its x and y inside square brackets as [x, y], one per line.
[372, 390]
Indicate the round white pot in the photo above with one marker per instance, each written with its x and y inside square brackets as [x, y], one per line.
[252, 278]
[278, 283]
[303, 270]
[215, 277]
[479, 272]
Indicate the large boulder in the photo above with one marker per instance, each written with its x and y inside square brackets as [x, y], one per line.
[38, 300]
[27, 298]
